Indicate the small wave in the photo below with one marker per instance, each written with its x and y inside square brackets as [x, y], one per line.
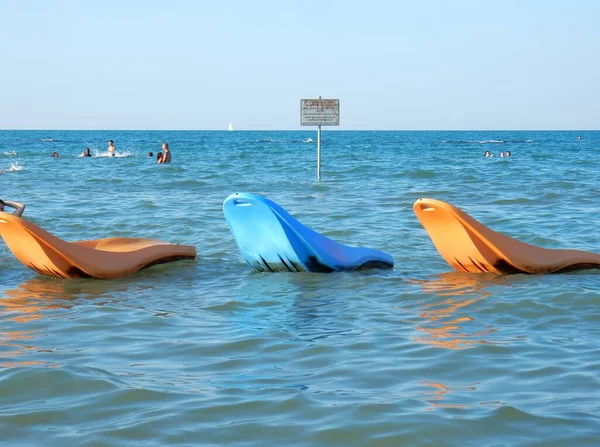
[485, 141]
[47, 140]
[513, 201]
[420, 174]
[472, 141]
[97, 153]
[10, 153]
[14, 167]
[308, 140]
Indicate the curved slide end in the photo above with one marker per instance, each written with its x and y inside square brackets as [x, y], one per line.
[103, 258]
[271, 240]
[469, 246]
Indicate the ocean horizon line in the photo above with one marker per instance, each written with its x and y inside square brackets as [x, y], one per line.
[308, 129]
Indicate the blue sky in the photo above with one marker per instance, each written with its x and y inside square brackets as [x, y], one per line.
[180, 64]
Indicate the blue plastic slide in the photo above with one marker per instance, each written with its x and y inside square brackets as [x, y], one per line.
[273, 241]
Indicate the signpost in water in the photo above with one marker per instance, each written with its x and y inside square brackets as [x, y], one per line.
[319, 112]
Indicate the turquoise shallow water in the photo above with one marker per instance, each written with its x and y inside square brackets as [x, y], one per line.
[208, 352]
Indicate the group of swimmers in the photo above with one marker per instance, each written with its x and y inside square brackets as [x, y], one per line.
[161, 157]
[488, 154]
[164, 156]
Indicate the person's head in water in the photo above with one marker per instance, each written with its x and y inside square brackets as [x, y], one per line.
[55, 154]
[150, 154]
[508, 154]
[487, 154]
[159, 156]
[165, 147]
[86, 152]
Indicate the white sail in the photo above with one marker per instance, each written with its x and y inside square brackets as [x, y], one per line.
[230, 126]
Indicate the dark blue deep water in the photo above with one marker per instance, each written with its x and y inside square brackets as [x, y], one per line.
[208, 352]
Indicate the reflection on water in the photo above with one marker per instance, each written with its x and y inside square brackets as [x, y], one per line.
[448, 319]
[15, 343]
[34, 296]
[446, 323]
[310, 306]
[440, 392]
[26, 302]
[457, 283]
[33, 300]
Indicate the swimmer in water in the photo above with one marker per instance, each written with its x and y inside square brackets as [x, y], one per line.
[166, 157]
[55, 154]
[111, 149]
[86, 152]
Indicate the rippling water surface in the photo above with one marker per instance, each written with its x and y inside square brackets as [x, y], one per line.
[207, 352]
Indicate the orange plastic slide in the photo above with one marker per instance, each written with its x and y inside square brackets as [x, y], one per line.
[102, 258]
[469, 246]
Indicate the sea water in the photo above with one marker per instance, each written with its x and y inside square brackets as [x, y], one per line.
[208, 352]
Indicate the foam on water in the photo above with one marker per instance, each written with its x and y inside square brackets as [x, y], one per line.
[14, 167]
[210, 352]
[116, 154]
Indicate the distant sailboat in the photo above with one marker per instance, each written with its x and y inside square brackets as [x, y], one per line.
[230, 126]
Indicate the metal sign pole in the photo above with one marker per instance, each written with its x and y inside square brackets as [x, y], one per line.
[319, 112]
[319, 153]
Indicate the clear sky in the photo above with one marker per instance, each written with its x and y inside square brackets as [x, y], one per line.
[184, 64]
